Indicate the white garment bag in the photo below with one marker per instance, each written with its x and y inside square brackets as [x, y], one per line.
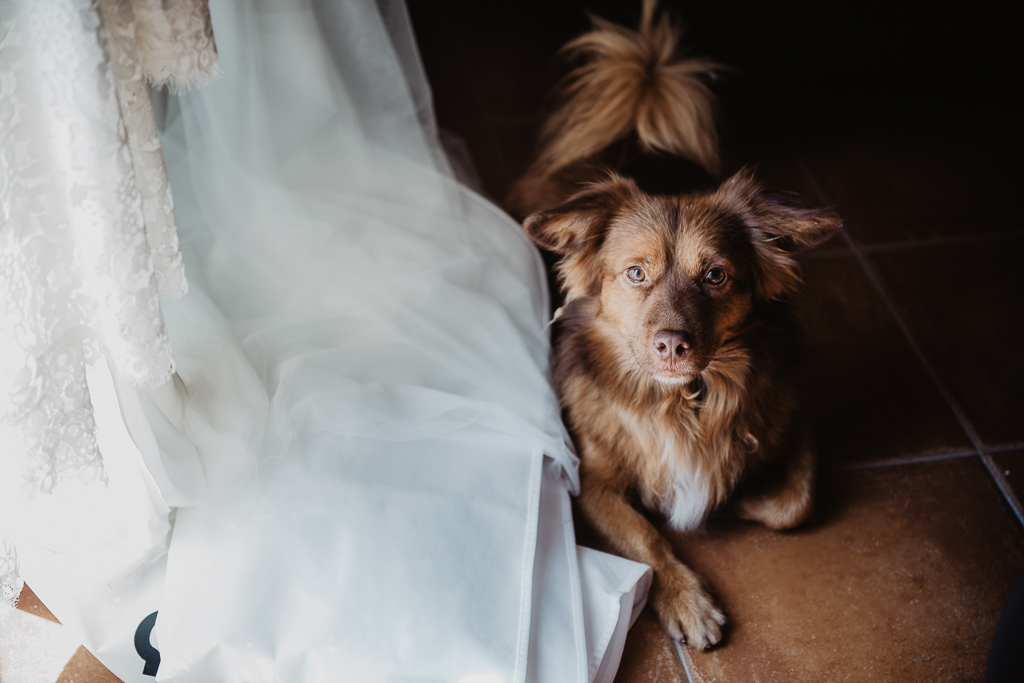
[368, 475]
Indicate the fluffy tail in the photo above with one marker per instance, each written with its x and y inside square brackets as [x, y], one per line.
[630, 80]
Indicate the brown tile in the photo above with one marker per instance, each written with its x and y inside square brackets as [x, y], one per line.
[898, 189]
[1011, 464]
[962, 304]
[903, 577]
[865, 393]
[28, 602]
[83, 667]
[649, 655]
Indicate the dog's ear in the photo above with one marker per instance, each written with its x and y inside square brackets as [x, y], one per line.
[781, 225]
[576, 230]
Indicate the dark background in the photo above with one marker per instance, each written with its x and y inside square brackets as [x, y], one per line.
[797, 69]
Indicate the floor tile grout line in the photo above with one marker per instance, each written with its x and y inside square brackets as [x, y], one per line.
[682, 659]
[928, 457]
[890, 247]
[824, 255]
[1005, 448]
[910, 460]
[943, 241]
[876, 284]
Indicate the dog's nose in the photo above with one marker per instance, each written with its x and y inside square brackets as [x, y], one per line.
[671, 344]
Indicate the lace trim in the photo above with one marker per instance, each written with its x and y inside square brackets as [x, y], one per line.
[10, 579]
[175, 40]
[87, 239]
[144, 145]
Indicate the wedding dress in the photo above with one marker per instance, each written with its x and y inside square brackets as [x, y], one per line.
[358, 472]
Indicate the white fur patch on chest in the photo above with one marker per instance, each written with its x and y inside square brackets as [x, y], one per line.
[688, 504]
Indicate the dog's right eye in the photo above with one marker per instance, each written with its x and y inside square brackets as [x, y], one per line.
[636, 274]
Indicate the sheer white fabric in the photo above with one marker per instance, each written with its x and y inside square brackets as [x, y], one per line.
[87, 233]
[330, 238]
[395, 323]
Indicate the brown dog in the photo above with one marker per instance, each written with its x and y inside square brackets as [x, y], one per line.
[670, 353]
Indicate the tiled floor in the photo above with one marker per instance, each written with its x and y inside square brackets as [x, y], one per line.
[913, 375]
[913, 378]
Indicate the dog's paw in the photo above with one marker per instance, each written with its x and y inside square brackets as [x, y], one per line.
[686, 611]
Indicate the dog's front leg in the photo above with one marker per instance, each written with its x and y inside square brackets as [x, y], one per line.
[684, 607]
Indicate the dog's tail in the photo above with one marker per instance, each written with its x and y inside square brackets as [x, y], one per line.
[630, 80]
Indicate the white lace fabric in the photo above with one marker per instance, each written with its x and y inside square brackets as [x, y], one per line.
[126, 55]
[175, 41]
[88, 239]
[10, 579]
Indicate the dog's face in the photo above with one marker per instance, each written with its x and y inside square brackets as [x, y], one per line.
[676, 282]
[678, 276]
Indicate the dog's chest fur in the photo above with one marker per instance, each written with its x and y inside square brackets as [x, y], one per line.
[687, 461]
[682, 455]
[687, 501]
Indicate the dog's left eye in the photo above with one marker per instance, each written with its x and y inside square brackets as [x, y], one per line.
[636, 274]
[715, 277]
